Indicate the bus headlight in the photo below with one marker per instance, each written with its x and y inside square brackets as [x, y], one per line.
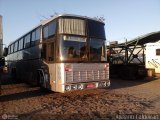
[108, 83]
[73, 87]
[67, 88]
[79, 86]
[102, 84]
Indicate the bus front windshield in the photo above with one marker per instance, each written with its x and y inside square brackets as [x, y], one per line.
[97, 50]
[73, 48]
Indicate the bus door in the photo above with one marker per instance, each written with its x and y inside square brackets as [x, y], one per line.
[50, 58]
[50, 52]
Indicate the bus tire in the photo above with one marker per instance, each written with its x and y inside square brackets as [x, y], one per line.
[40, 79]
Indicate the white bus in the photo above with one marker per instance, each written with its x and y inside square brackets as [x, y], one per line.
[63, 53]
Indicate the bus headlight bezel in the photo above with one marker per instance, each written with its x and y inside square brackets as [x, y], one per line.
[67, 87]
[102, 84]
[73, 87]
[80, 87]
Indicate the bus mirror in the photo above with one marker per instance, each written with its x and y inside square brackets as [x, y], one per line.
[5, 52]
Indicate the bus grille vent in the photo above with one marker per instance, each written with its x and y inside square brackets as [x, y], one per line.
[86, 76]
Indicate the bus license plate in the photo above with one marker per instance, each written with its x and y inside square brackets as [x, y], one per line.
[90, 85]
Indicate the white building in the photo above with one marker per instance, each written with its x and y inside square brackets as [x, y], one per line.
[153, 57]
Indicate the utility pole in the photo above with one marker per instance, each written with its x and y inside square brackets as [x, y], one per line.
[1, 50]
[1, 38]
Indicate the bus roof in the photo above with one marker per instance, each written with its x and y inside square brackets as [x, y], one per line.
[43, 22]
[69, 15]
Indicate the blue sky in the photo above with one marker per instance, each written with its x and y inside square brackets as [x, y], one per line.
[123, 18]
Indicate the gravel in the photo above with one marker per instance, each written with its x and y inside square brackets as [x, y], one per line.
[22, 101]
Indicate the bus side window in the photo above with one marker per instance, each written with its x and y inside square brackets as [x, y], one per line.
[51, 52]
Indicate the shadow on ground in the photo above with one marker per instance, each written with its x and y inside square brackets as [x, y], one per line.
[6, 80]
[22, 95]
[118, 83]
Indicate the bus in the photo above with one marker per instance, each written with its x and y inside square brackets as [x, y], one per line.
[63, 53]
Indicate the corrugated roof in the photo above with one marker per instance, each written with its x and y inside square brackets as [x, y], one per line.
[141, 40]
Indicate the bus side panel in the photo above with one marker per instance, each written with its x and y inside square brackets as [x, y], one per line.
[26, 62]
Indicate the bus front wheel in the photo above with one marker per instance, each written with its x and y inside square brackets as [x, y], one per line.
[40, 79]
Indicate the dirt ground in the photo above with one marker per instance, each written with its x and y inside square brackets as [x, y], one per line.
[22, 101]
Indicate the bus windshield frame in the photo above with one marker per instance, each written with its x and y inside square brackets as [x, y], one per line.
[81, 40]
[80, 49]
[73, 48]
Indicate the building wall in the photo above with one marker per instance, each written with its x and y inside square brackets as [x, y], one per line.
[153, 56]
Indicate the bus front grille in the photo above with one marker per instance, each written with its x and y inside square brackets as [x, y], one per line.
[86, 76]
